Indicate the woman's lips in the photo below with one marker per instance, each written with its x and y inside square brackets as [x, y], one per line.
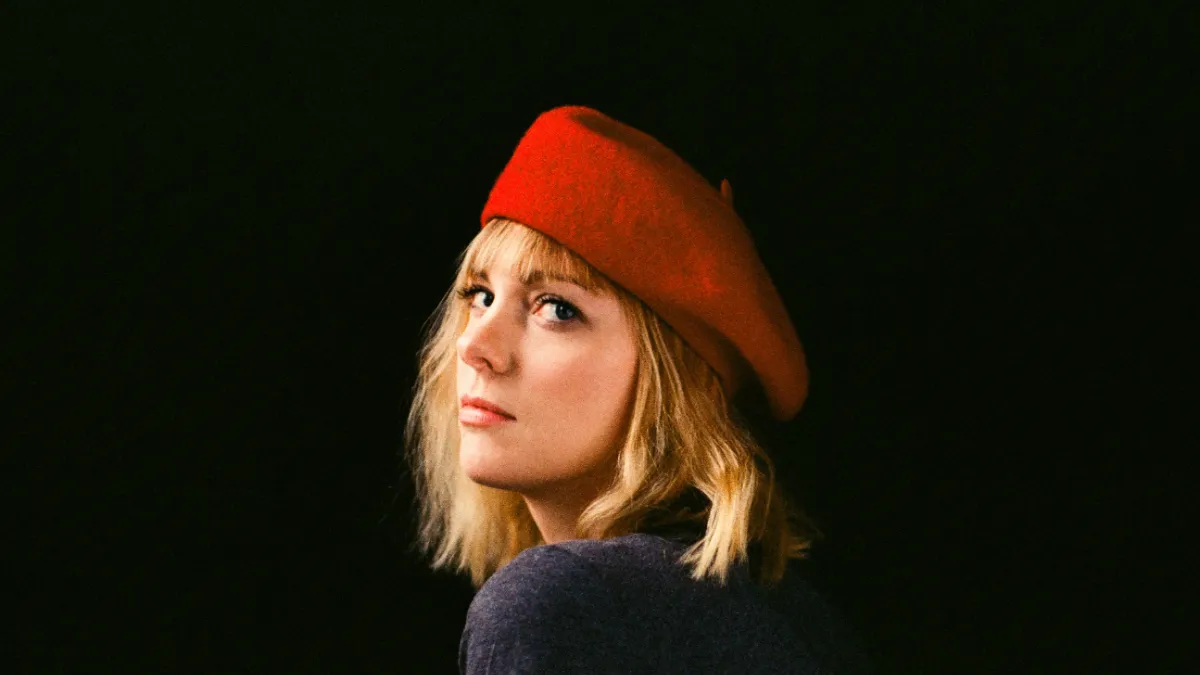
[478, 417]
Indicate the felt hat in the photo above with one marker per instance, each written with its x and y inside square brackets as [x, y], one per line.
[637, 212]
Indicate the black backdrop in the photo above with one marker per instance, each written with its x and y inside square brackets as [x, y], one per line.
[242, 217]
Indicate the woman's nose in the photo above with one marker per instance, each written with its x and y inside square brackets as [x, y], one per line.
[482, 344]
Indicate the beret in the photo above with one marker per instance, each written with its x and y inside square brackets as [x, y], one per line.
[642, 216]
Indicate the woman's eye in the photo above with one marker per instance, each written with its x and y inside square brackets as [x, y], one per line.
[561, 307]
[564, 311]
[470, 292]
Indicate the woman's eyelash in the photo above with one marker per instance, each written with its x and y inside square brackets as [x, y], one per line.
[469, 292]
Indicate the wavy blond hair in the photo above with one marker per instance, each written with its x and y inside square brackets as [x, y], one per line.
[683, 437]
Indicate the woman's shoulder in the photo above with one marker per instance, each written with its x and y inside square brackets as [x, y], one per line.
[637, 547]
[548, 610]
[577, 564]
[539, 577]
[555, 579]
[574, 597]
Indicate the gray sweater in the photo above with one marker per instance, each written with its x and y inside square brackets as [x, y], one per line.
[623, 605]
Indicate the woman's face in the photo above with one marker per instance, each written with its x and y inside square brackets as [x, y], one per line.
[562, 361]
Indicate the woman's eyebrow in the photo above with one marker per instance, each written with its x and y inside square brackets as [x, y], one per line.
[535, 278]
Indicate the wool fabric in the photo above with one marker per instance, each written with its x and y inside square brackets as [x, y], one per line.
[637, 212]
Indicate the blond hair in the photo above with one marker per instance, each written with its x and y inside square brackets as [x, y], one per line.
[682, 437]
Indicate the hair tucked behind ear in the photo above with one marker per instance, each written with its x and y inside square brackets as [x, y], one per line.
[688, 457]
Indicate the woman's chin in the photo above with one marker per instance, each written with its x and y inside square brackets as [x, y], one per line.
[481, 462]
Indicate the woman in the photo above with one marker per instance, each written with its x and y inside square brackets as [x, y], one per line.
[578, 435]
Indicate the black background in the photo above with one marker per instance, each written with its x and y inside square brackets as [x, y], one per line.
[240, 219]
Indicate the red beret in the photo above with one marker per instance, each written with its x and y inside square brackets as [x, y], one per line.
[637, 212]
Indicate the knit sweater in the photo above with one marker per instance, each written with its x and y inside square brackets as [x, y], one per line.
[624, 605]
